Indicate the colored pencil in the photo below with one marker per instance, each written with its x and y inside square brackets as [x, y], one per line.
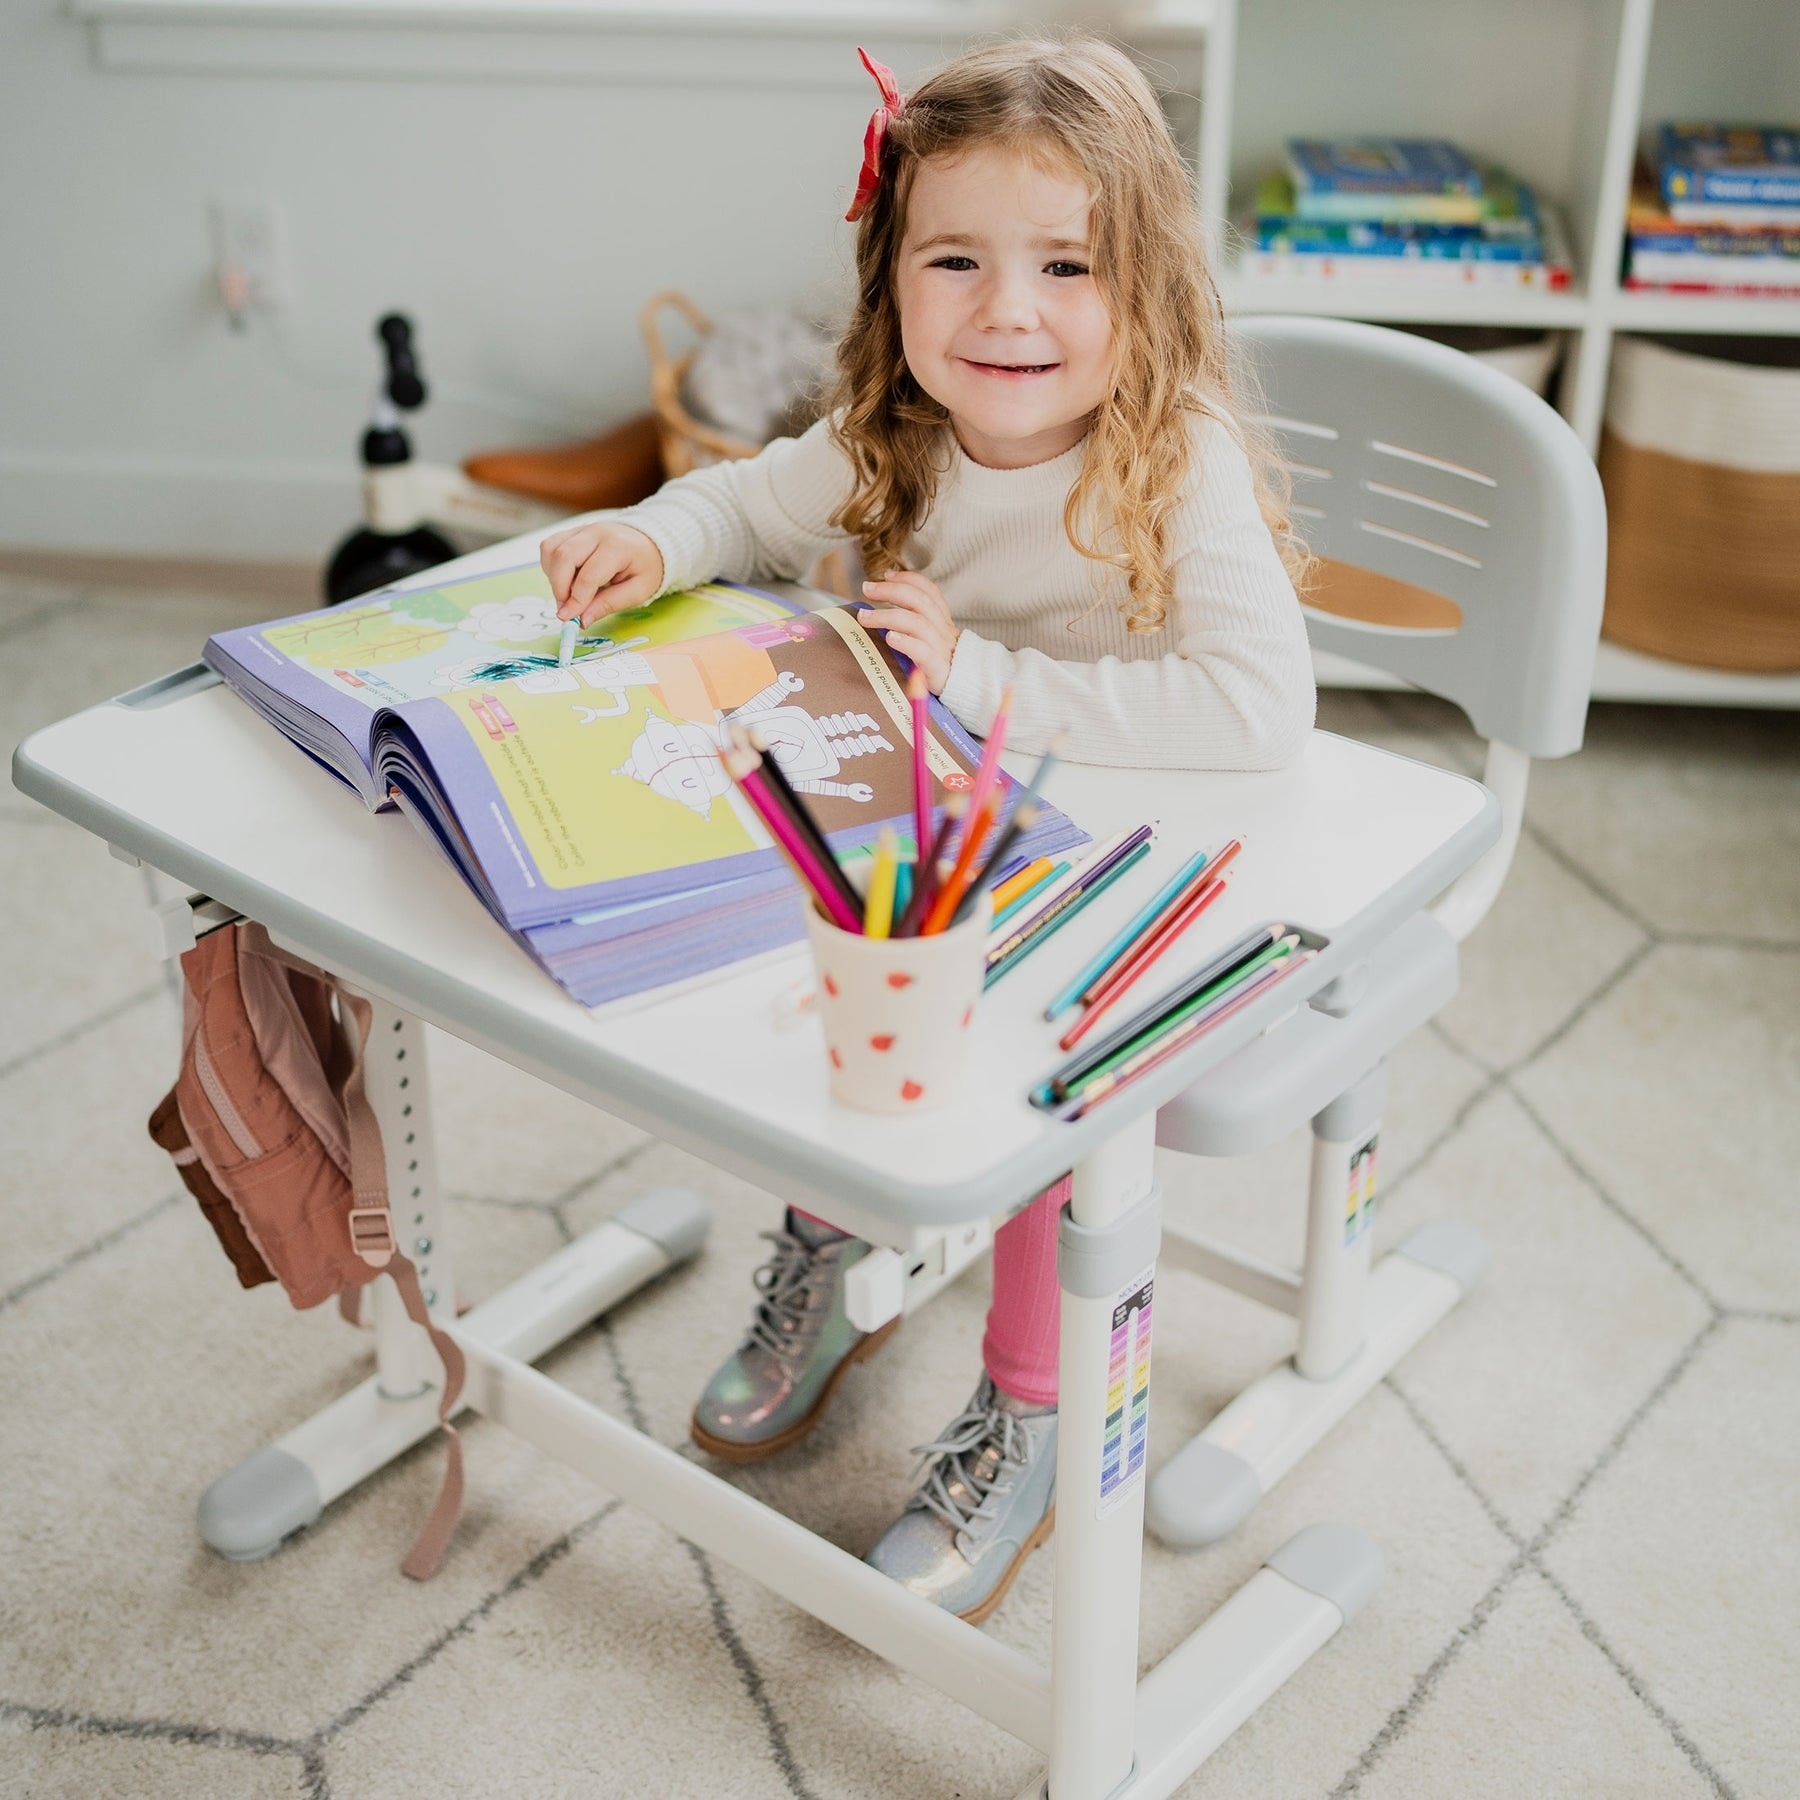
[903, 880]
[748, 768]
[1100, 1059]
[804, 822]
[565, 648]
[1014, 885]
[1115, 946]
[982, 820]
[1152, 938]
[878, 913]
[1025, 896]
[1024, 816]
[1100, 858]
[1230, 959]
[1152, 934]
[917, 696]
[988, 770]
[1049, 923]
[1152, 947]
[926, 872]
[1154, 1055]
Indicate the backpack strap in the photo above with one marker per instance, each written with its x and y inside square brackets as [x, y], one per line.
[371, 1227]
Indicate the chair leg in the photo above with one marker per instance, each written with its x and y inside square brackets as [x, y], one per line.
[1355, 1325]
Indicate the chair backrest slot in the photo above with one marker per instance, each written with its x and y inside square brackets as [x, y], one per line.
[1307, 471]
[1305, 512]
[1436, 506]
[1299, 427]
[1419, 543]
[1430, 462]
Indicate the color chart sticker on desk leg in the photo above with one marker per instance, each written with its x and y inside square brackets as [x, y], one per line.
[1126, 1440]
[1359, 1196]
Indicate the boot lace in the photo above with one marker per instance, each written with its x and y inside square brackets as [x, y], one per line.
[963, 1464]
[787, 1286]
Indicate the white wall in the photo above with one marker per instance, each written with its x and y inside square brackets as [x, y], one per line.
[521, 221]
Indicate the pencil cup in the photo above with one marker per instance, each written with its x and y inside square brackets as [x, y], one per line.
[897, 1011]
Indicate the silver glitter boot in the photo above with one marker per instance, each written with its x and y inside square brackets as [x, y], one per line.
[987, 1500]
[775, 1388]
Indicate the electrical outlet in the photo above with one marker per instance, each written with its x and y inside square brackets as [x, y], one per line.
[249, 257]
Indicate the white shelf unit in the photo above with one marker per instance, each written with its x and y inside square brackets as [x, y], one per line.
[1562, 92]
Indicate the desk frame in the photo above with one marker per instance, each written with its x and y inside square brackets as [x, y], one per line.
[1104, 1733]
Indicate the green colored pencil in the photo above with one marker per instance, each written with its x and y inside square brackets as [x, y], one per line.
[1062, 1086]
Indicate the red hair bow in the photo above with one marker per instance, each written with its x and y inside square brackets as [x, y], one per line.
[891, 102]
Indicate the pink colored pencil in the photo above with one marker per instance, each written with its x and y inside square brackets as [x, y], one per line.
[989, 770]
[745, 768]
[916, 692]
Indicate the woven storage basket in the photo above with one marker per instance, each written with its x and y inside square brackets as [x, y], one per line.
[687, 442]
[1701, 463]
[690, 443]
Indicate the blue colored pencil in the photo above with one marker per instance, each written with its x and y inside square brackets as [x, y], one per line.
[1120, 944]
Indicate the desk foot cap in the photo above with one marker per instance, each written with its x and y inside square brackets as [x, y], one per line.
[1200, 1495]
[1452, 1249]
[674, 1218]
[250, 1511]
[1336, 1562]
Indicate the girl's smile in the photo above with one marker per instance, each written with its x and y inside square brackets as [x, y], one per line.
[1001, 320]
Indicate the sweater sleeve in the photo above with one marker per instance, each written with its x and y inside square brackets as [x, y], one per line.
[759, 518]
[1235, 691]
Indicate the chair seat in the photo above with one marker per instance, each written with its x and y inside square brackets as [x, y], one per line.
[1291, 1073]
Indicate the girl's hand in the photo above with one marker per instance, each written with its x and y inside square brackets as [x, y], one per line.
[916, 617]
[599, 569]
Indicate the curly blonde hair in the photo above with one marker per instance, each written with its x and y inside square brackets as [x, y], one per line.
[1078, 106]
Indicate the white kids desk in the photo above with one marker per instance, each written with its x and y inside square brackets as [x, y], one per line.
[1350, 842]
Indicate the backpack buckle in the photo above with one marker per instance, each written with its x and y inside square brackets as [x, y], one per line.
[372, 1235]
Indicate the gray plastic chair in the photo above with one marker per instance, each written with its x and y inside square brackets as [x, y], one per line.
[1413, 461]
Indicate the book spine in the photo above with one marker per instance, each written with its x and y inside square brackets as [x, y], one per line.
[1458, 247]
[1424, 272]
[1735, 218]
[1686, 184]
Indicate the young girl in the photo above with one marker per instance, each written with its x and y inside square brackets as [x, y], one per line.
[1031, 442]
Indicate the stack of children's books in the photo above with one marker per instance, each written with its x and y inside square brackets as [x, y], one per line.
[1718, 213]
[1346, 211]
[587, 805]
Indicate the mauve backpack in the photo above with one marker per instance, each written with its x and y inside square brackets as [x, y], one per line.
[272, 1132]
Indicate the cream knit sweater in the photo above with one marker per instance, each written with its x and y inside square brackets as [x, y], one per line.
[1226, 684]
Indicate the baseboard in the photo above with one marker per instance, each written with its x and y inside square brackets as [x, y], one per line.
[290, 584]
[188, 509]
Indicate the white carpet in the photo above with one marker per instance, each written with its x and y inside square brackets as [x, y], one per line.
[1584, 1481]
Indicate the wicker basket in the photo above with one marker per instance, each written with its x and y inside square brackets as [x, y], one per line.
[688, 443]
[1701, 462]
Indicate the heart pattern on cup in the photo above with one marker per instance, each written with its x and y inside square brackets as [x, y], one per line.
[897, 978]
[910, 1090]
[831, 987]
[883, 1040]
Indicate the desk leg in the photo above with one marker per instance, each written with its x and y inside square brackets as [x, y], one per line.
[281, 1489]
[1106, 1264]
[399, 1089]
[1113, 1737]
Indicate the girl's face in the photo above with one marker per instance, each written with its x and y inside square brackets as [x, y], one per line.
[1001, 319]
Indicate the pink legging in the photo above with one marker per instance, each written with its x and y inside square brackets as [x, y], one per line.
[1025, 1314]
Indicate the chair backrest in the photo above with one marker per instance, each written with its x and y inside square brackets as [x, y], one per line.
[1414, 461]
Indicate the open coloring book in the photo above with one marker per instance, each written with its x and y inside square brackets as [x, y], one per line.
[587, 806]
